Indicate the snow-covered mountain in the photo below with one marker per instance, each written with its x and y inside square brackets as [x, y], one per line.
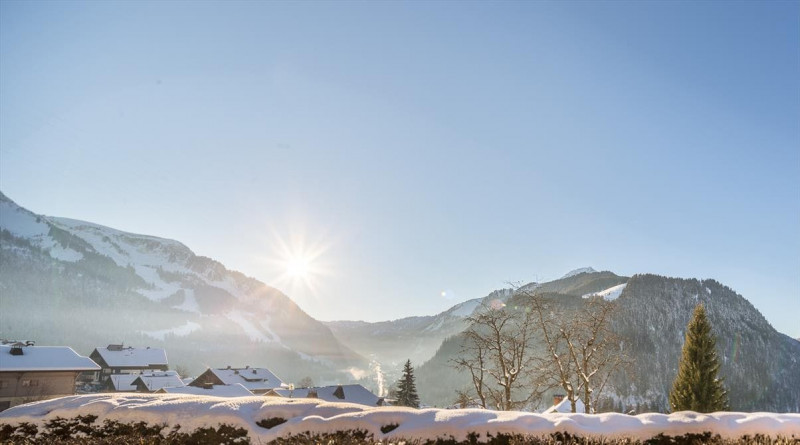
[77, 283]
[73, 282]
[761, 366]
[393, 342]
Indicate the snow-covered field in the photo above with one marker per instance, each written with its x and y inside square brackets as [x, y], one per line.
[612, 293]
[304, 415]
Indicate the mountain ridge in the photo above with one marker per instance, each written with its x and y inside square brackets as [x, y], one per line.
[169, 293]
[148, 290]
[761, 365]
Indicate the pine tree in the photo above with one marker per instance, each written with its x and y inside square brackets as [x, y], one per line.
[406, 389]
[697, 386]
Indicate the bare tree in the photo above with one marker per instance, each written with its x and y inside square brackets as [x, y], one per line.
[472, 358]
[582, 351]
[498, 353]
[597, 352]
[557, 365]
[182, 371]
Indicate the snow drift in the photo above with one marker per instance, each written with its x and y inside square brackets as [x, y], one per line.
[311, 415]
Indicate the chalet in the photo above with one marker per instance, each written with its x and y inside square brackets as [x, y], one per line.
[338, 393]
[117, 359]
[256, 380]
[29, 373]
[561, 404]
[153, 381]
[234, 390]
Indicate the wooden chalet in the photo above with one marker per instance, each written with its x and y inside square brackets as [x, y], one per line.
[29, 373]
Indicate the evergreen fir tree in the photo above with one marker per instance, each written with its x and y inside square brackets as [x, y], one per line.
[697, 386]
[406, 389]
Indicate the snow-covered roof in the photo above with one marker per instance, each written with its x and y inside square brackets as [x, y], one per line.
[128, 357]
[349, 393]
[45, 358]
[235, 390]
[191, 412]
[254, 379]
[154, 381]
[123, 382]
[565, 406]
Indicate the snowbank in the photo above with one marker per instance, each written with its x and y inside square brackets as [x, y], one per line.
[303, 415]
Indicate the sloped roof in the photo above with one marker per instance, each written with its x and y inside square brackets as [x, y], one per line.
[352, 394]
[234, 390]
[565, 406]
[133, 357]
[156, 380]
[251, 378]
[123, 382]
[45, 358]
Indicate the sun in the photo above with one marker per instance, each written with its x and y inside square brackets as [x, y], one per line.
[297, 268]
[298, 264]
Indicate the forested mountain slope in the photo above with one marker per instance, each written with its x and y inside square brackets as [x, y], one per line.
[761, 366]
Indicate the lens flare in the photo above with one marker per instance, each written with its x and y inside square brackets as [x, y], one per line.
[297, 268]
[296, 262]
[735, 352]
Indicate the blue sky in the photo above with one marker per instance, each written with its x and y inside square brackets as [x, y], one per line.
[418, 148]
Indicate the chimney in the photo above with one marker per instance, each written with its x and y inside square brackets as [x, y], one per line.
[16, 349]
[558, 398]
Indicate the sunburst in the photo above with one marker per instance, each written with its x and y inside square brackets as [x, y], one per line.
[297, 262]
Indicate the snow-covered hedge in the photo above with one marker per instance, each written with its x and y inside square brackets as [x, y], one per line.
[265, 419]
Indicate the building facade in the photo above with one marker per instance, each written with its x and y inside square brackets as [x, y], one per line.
[29, 373]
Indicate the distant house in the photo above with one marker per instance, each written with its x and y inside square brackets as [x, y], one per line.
[148, 381]
[29, 373]
[338, 393]
[561, 404]
[153, 381]
[120, 383]
[256, 380]
[118, 359]
[234, 390]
